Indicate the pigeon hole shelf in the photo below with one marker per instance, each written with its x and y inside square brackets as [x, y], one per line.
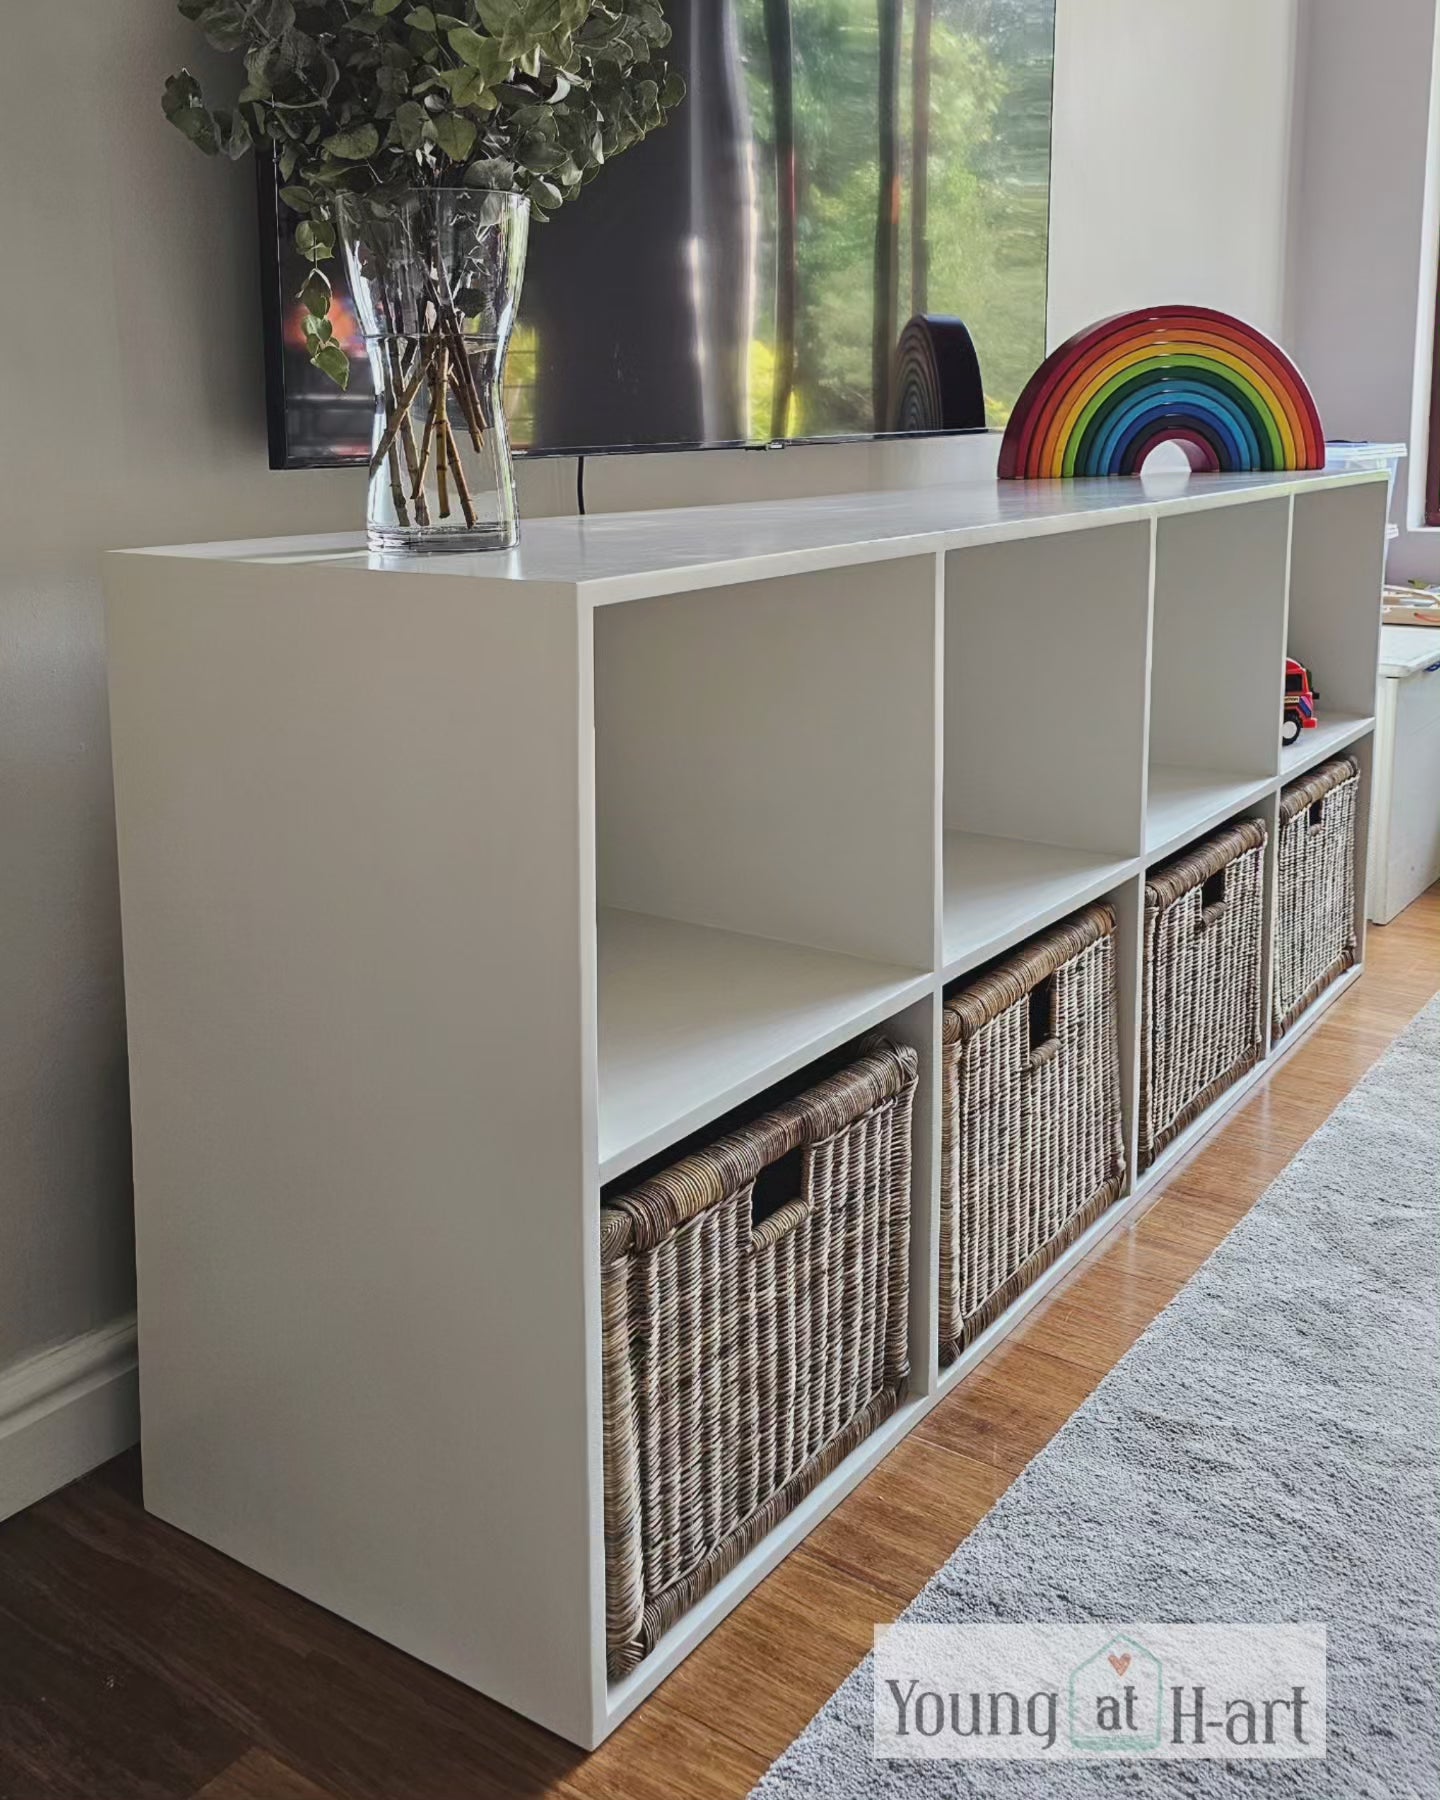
[454, 891]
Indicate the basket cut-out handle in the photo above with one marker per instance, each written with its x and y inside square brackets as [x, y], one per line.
[1044, 1045]
[780, 1198]
[1212, 900]
[1317, 813]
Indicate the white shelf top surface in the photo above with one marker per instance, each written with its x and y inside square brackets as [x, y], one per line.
[694, 1021]
[1333, 732]
[1183, 802]
[999, 890]
[624, 556]
[1406, 649]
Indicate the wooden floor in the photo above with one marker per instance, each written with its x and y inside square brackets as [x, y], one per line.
[137, 1665]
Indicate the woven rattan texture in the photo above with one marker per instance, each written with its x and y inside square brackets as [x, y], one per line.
[1032, 1145]
[1201, 1026]
[1315, 937]
[744, 1360]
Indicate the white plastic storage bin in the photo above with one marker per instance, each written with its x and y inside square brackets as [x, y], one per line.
[1405, 808]
[1342, 453]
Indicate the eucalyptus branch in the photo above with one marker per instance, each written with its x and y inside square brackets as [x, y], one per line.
[525, 95]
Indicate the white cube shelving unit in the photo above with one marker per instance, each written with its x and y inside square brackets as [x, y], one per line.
[453, 890]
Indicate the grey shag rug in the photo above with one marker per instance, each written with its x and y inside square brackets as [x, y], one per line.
[1275, 1436]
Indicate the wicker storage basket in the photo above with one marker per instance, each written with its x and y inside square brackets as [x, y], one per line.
[1201, 1031]
[1032, 1148]
[1315, 887]
[754, 1305]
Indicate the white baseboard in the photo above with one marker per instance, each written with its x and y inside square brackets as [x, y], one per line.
[66, 1411]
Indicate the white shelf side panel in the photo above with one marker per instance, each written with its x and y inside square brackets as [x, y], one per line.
[694, 1021]
[1336, 569]
[999, 891]
[360, 1045]
[1219, 647]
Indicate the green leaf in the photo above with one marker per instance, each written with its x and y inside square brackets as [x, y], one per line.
[540, 156]
[223, 21]
[491, 172]
[500, 16]
[410, 121]
[315, 239]
[354, 145]
[232, 131]
[422, 19]
[468, 45]
[383, 7]
[296, 198]
[314, 294]
[331, 360]
[465, 86]
[183, 107]
[482, 53]
[455, 134]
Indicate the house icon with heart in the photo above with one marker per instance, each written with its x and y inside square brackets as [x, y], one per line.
[1115, 1698]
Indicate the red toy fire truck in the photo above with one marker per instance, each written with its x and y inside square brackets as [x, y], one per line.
[1299, 702]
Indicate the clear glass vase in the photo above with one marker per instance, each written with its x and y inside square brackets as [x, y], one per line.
[435, 277]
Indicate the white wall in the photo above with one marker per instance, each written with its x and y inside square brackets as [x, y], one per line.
[132, 412]
[1170, 157]
[1364, 74]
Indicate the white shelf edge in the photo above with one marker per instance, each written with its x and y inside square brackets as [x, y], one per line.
[1332, 740]
[1026, 924]
[1245, 793]
[890, 997]
[624, 1696]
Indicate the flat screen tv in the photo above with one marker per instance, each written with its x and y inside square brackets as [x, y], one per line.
[838, 169]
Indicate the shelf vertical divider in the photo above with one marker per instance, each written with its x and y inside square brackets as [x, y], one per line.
[919, 1025]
